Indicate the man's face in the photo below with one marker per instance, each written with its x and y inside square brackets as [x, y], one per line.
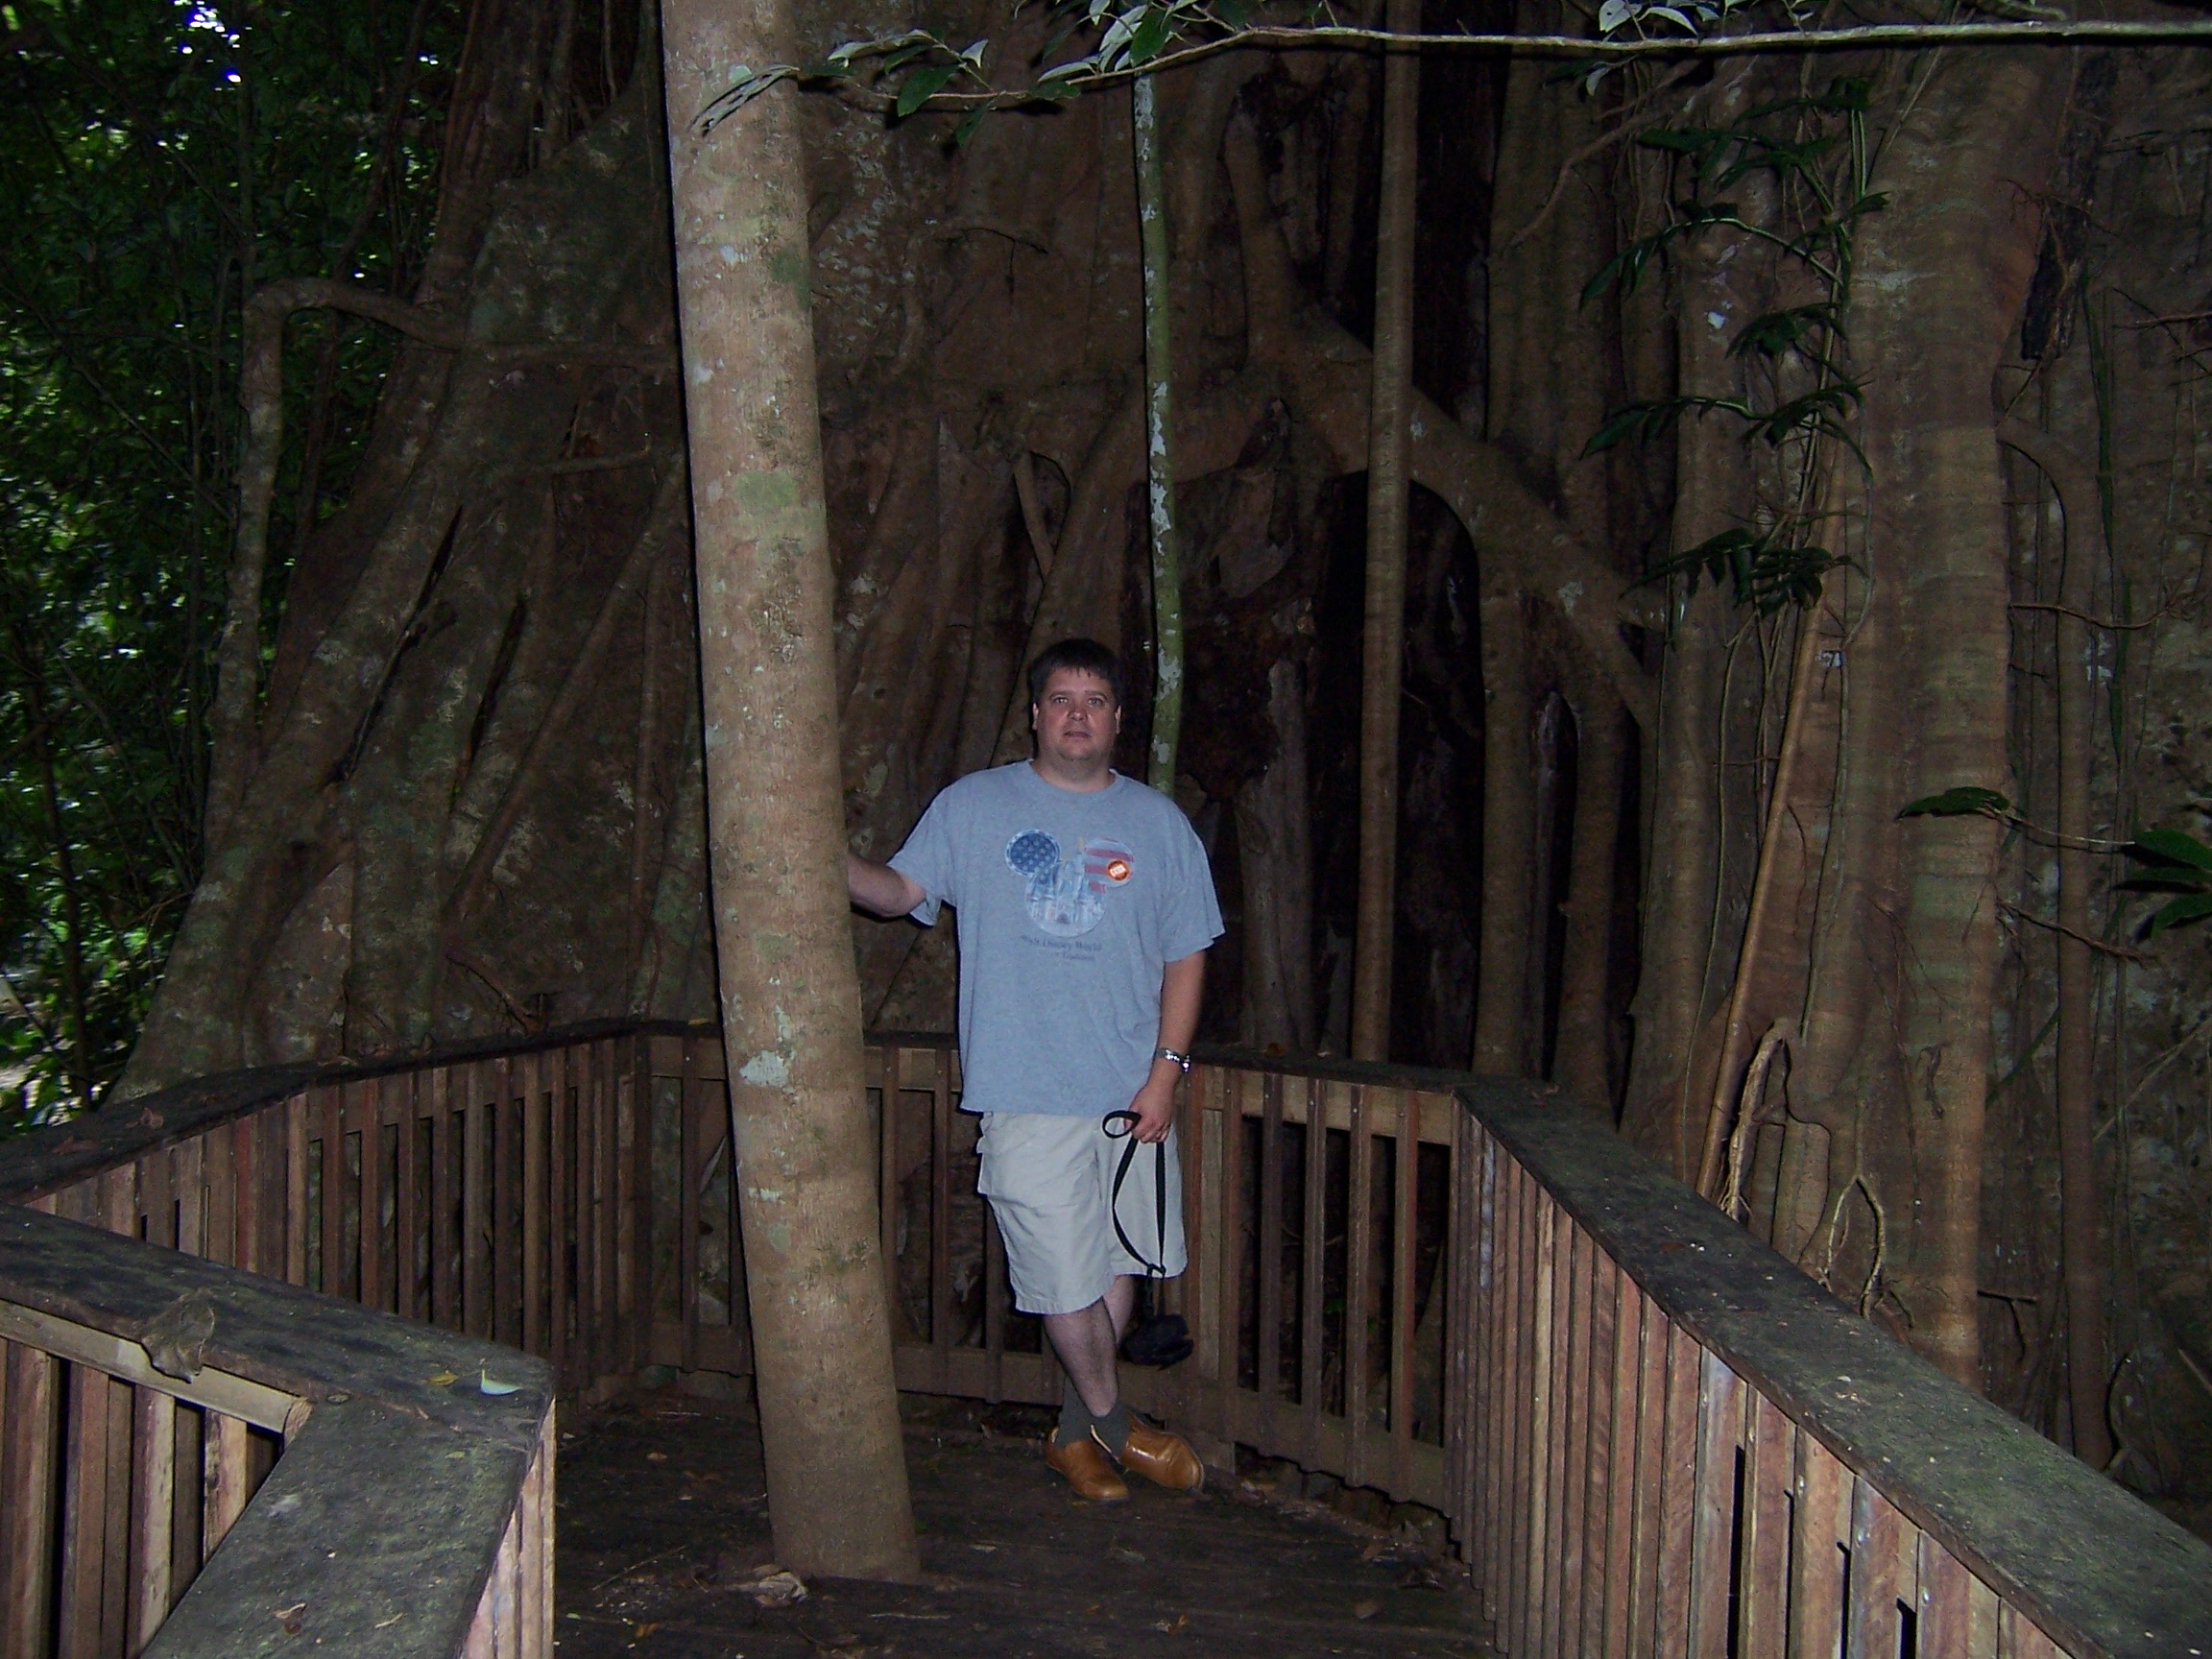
[1076, 720]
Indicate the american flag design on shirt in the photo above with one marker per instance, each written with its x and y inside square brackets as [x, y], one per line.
[1065, 895]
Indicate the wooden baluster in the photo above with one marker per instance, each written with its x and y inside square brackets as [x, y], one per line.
[884, 1066]
[296, 1218]
[1648, 1524]
[84, 1514]
[222, 1154]
[529, 1081]
[30, 1438]
[1543, 1290]
[1269, 1346]
[1884, 1571]
[1599, 1442]
[634, 1229]
[1215, 1361]
[1574, 1421]
[606, 1214]
[1232, 1260]
[503, 1093]
[1358, 1284]
[1819, 1534]
[1460, 1389]
[445, 1201]
[1405, 1165]
[115, 1598]
[1763, 1603]
[1678, 1491]
[398, 1110]
[698, 1140]
[365, 1114]
[1957, 1611]
[158, 1199]
[1313, 1260]
[1713, 1518]
[1521, 1485]
[152, 1507]
[584, 1350]
[475, 1123]
[328, 1122]
[1186, 1295]
[1630, 1310]
[1489, 1358]
[187, 1493]
[229, 1478]
[941, 1220]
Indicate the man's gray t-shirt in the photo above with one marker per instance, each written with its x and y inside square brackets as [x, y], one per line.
[1071, 904]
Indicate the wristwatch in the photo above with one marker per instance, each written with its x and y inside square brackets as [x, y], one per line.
[1181, 1059]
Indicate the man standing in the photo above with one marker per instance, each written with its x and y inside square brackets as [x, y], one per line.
[1085, 910]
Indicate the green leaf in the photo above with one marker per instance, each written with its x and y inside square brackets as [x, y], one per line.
[921, 85]
[968, 125]
[1774, 332]
[2193, 908]
[1234, 13]
[1148, 36]
[1959, 802]
[2170, 847]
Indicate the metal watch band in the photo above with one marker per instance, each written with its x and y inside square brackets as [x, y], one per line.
[1181, 1059]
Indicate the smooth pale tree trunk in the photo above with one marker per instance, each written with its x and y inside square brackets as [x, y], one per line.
[1383, 646]
[837, 1492]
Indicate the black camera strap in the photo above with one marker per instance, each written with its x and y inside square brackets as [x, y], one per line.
[1158, 1339]
[1121, 1126]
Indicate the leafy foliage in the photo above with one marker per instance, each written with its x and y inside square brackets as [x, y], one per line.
[1803, 397]
[2176, 862]
[1760, 568]
[1961, 801]
[163, 160]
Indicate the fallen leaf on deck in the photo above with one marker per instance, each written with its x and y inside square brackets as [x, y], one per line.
[655, 1457]
[387, 1623]
[292, 1612]
[492, 1384]
[445, 1379]
[639, 1632]
[776, 1589]
[1366, 1609]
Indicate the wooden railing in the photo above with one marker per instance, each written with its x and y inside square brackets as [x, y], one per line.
[1651, 1434]
[157, 1406]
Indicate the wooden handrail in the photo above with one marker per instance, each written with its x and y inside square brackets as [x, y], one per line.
[1772, 1400]
[1652, 1434]
[383, 1421]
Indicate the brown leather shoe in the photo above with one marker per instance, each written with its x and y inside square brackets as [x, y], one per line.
[1086, 1468]
[1163, 1458]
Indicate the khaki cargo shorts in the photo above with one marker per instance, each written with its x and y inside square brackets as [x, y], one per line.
[1049, 1180]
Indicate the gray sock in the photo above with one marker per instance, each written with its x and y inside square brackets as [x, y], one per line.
[1113, 1429]
[1074, 1415]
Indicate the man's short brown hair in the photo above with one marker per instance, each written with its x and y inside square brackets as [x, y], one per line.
[1084, 656]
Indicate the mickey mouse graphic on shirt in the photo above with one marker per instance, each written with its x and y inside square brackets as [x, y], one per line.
[1067, 895]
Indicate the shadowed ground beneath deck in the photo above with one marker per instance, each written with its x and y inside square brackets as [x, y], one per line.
[663, 1524]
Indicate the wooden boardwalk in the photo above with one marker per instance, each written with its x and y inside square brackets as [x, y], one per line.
[662, 1522]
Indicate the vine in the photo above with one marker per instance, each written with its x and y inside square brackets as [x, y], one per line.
[1816, 149]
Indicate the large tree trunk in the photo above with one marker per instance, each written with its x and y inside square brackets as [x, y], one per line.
[1897, 1035]
[802, 1152]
